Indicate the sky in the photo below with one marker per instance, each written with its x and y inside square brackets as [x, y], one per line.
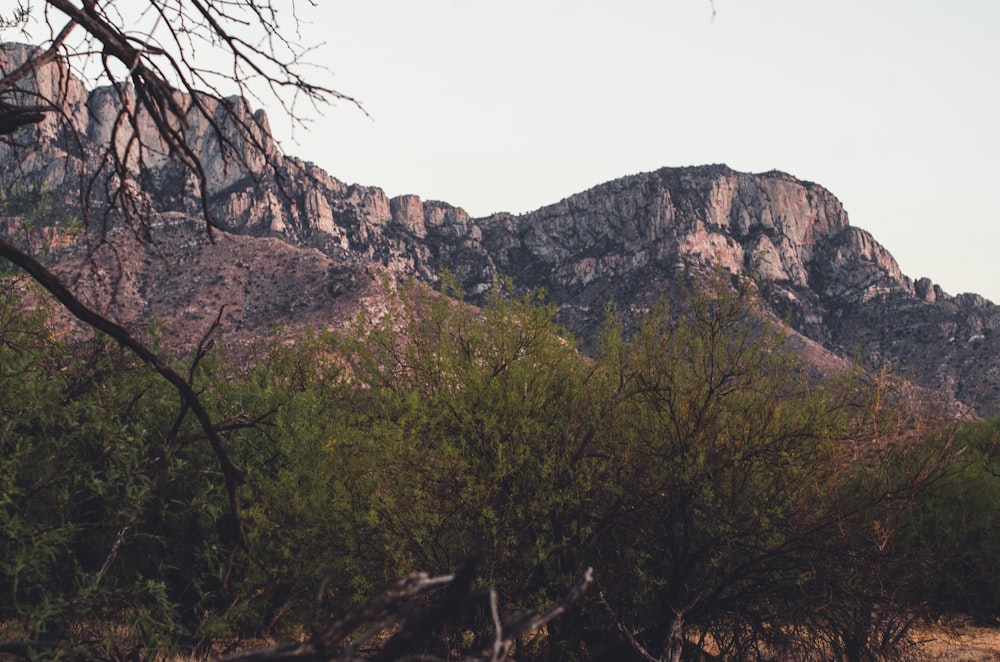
[893, 105]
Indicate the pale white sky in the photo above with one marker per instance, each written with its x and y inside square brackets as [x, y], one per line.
[893, 105]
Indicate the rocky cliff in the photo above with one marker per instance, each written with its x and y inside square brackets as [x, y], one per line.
[302, 248]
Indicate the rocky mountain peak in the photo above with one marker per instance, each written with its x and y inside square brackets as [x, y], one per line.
[769, 224]
[306, 237]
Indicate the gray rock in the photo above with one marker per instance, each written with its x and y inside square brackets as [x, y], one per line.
[630, 241]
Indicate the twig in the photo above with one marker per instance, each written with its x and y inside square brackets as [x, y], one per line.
[233, 475]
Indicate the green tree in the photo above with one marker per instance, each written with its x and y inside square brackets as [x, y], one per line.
[113, 527]
[477, 428]
[952, 534]
[750, 501]
[147, 70]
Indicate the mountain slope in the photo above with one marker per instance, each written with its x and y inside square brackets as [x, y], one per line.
[302, 248]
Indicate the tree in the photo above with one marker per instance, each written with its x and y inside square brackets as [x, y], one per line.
[164, 92]
[110, 511]
[166, 97]
[469, 432]
[952, 534]
[160, 84]
[725, 496]
[756, 509]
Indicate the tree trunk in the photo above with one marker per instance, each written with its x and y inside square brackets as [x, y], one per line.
[673, 646]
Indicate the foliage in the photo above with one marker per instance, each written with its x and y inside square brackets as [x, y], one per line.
[722, 496]
[18, 18]
[439, 433]
[718, 491]
[109, 517]
[479, 419]
[953, 533]
[753, 503]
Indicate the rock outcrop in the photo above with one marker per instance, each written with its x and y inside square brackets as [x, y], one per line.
[626, 241]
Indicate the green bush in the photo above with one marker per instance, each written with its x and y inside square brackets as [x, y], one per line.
[952, 534]
[755, 507]
[718, 491]
[112, 526]
[430, 435]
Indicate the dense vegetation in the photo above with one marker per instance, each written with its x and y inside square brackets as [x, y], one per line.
[724, 498]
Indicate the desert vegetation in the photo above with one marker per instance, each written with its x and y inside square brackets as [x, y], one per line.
[728, 504]
[687, 492]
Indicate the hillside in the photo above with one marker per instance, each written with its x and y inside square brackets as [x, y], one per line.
[302, 249]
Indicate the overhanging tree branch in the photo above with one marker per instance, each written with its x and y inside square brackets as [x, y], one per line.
[234, 475]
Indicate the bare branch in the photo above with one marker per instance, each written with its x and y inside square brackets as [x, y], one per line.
[234, 476]
[626, 632]
[388, 607]
[31, 65]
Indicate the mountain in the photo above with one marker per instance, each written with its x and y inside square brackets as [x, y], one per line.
[302, 249]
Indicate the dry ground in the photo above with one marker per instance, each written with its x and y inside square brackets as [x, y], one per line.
[959, 642]
[938, 643]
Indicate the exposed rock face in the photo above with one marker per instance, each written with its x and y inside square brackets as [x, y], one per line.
[621, 238]
[625, 241]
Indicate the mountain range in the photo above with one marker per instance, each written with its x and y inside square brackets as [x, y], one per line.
[299, 248]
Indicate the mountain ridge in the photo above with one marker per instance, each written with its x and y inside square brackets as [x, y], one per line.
[628, 240]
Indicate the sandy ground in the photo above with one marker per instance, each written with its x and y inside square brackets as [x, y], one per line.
[960, 642]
